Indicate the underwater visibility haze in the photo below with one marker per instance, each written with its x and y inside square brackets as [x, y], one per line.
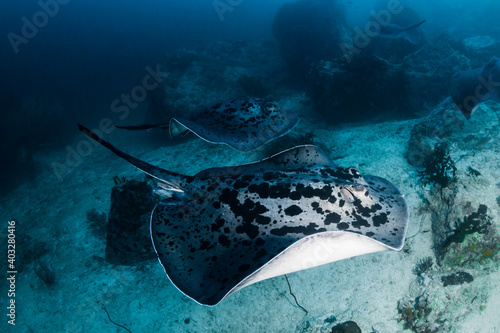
[250, 166]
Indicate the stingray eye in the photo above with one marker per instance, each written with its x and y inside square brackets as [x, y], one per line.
[347, 194]
[358, 188]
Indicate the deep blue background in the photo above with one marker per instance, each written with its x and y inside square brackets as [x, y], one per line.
[92, 51]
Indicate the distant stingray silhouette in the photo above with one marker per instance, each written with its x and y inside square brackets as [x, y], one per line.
[394, 31]
[472, 87]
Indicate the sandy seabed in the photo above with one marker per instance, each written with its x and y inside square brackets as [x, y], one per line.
[364, 289]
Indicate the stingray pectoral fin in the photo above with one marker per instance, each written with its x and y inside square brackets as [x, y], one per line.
[394, 31]
[243, 124]
[177, 129]
[491, 78]
[415, 25]
[175, 236]
[293, 158]
[170, 180]
[312, 251]
[144, 127]
[464, 87]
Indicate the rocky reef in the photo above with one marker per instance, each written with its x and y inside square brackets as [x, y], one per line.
[217, 72]
[309, 31]
[127, 232]
[370, 85]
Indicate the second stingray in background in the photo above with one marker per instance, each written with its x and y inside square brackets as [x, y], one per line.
[472, 87]
[244, 124]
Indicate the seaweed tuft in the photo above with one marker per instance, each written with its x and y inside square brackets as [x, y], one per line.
[423, 266]
[439, 168]
[119, 180]
[478, 221]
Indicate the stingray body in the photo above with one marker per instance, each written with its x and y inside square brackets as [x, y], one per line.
[226, 228]
[470, 88]
[394, 31]
[243, 124]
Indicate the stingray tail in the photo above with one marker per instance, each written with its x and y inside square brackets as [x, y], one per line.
[144, 127]
[415, 26]
[168, 180]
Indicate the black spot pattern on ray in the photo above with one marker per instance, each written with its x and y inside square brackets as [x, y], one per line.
[219, 229]
[243, 124]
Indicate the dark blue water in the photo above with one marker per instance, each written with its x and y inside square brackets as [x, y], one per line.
[91, 49]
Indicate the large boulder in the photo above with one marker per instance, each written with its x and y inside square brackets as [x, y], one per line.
[128, 241]
[357, 91]
[441, 123]
[370, 86]
[309, 31]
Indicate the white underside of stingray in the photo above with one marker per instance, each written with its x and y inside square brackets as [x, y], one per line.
[312, 251]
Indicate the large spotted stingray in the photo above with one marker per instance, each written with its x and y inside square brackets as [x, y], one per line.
[226, 228]
[243, 124]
